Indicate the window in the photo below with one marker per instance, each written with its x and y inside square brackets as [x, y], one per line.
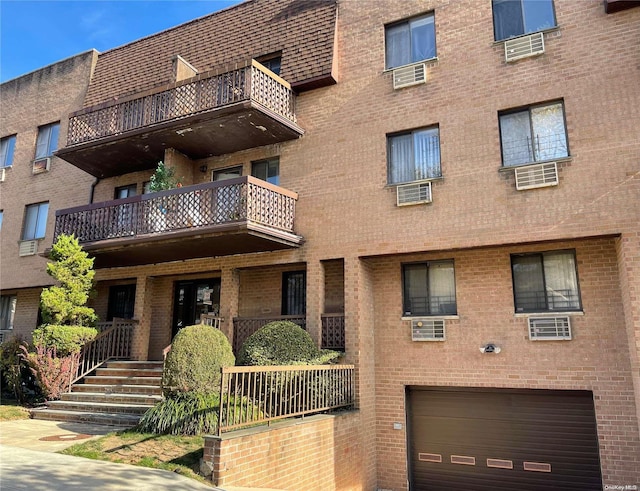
[35, 221]
[546, 281]
[7, 144]
[126, 191]
[429, 288]
[413, 156]
[121, 301]
[223, 174]
[534, 134]
[1, 217]
[7, 311]
[267, 170]
[517, 17]
[272, 63]
[294, 293]
[47, 141]
[410, 41]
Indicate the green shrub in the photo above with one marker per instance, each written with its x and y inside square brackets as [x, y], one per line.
[189, 413]
[282, 343]
[65, 339]
[16, 379]
[193, 364]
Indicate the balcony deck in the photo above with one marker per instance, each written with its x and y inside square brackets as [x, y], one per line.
[210, 114]
[235, 216]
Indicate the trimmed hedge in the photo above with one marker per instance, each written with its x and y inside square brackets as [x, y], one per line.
[65, 339]
[283, 343]
[193, 364]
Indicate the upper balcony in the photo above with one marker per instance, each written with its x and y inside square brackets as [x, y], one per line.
[210, 114]
[235, 216]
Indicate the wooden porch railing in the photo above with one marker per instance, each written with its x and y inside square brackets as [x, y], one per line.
[333, 332]
[190, 207]
[110, 344]
[202, 93]
[253, 395]
[243, 327]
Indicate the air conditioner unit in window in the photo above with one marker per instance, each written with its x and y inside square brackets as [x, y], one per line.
[407, 76]
[536, 176]
[413, 194]
[549, 328]
[523, 47]
[2, 174]
[427, 330]
[41, 165]
[28, 248]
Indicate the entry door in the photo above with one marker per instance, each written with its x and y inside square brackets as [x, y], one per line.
[193, 298]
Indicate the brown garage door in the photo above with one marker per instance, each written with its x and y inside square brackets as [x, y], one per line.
[493, 440]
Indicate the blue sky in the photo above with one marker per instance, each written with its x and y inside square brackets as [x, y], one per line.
[36, 33]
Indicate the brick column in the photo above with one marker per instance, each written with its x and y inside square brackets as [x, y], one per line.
[142, 313]
[315, 299]
[229, 299]
[628, 251]
[360, 350]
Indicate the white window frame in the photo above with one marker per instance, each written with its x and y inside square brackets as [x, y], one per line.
[421, 171]
[47, 141]
[42, 211]
[410, 25]
[7, 148]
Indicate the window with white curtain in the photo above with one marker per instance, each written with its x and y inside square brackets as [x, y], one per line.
[7, 311]
[534, 134]
[413, 156]
[429, 288]
[410, 41]
[47, 141]
[35, 221]
[545, 282]
[512, 18]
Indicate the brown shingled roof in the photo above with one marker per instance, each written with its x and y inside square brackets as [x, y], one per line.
[303, 30]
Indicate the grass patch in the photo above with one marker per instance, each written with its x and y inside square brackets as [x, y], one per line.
[180, 454]
[10, 411]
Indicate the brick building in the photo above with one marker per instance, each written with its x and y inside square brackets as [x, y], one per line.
[448, 191]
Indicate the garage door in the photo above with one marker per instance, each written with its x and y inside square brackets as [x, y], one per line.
[502, 440]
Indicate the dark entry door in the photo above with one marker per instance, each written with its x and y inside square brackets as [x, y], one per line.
[193, 298]
[491, 440]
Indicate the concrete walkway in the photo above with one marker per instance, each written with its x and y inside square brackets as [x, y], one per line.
[28, 462]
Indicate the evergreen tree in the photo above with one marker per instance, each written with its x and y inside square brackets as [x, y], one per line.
[65, 303]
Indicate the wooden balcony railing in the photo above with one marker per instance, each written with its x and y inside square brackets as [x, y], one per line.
[243, 327]
[111, 344]
[199, 94]
[333, 332]
[254, 395]
[203, 205]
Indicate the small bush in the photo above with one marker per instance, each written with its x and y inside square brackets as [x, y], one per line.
[52, 372]
[282, 343]
[194, 362]
[189, 413]
[65, 339]
[17, 381]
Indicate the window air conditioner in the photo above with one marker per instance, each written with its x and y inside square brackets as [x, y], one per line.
[28, 248]
[536, 176]
[413, 194]
[549, 328]
[41, 165]
[427, 330]
[407, 76]
[2, 174]
[523, 47]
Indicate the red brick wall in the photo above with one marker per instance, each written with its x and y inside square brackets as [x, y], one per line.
[319, 453]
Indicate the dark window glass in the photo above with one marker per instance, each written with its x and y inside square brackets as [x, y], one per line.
[294, 293]
[122, 299]
[267, 170]
[126, 191]
[223, 174]
[272, 64]
[429, 288]
[513, 18]
[413, 156]
[545, 281]
[7, 145]
[35, 221]
[7, 311]
[47, 141]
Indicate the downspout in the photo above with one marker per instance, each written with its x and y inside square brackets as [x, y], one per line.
[93, 190]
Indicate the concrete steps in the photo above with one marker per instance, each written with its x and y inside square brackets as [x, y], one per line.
[118, 394]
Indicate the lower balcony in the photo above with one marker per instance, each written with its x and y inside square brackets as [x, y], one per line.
[235, 216]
